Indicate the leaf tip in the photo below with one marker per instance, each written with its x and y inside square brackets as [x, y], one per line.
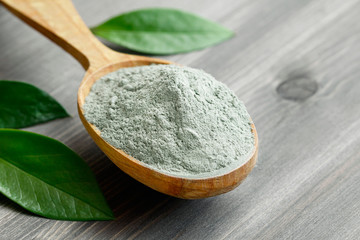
[108, 216]
[94, 29]
[66, 114]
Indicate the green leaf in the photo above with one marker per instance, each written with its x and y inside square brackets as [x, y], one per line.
[49, 179]
[23, 105]
[162, 31]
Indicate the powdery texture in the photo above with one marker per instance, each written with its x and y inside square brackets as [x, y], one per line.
[178, 120]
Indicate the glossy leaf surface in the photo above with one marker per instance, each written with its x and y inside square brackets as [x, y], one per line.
[49, 179]
[162, 31]
[23, 105]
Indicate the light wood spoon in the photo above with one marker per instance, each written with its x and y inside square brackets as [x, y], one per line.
[59, 21]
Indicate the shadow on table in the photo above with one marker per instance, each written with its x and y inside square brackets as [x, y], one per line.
[138, 208]
[12, 206]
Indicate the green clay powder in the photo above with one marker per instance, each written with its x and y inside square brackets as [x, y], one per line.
[177, 120]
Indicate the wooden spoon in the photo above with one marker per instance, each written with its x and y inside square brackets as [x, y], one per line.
[59, 21]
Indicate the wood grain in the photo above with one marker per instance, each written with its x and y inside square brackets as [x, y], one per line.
[305, 184]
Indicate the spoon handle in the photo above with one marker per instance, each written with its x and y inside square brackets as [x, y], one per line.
[59, 21]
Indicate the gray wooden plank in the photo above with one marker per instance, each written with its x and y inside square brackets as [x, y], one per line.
[305, 185]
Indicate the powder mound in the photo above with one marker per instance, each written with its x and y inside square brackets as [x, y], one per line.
[178, 120]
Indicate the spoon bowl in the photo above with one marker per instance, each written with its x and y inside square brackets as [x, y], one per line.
[59, 21]
[188, 188]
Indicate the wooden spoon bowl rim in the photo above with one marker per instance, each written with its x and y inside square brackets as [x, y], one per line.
[144, 173]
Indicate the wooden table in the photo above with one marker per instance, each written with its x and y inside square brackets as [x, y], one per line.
[295, 64]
